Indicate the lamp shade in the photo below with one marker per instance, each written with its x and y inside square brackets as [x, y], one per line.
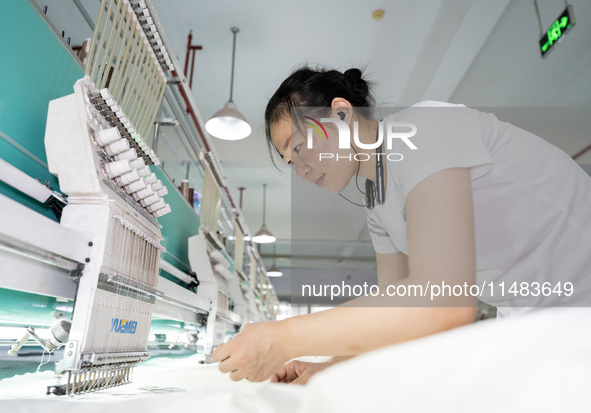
[274, 271]
[228, 124]
[264, 236]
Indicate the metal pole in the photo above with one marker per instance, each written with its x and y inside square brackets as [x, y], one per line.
[241, 189]
[539, 18]
[234, 30]
[188, 52]
[155, 142]
[264, 202]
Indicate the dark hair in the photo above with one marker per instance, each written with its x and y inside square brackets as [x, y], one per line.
[316, 88]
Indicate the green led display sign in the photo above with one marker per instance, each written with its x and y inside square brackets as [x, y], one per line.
[557, 30]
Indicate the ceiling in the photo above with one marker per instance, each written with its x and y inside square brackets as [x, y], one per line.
[478, 52]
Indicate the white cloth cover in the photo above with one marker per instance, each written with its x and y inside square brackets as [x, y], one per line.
[539, 362]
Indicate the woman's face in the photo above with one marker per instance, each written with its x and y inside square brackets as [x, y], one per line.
[324, 164]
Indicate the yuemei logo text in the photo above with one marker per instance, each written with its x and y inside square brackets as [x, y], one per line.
[119, 325]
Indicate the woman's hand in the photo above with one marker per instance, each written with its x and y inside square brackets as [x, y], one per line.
[298, 372]
[255, 353]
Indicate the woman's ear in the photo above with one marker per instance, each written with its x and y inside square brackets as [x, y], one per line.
[341, 109]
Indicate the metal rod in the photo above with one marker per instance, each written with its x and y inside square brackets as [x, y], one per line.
[581, 152]
[241, 189]
[117, 89]
[105, 62]
[192, 67]
[188, 52]
[101, 44]
[132, 69]
[155, 140]
[539, 18]
[90, 62]
[133, 76]
[264, 202]
[149, 98]
[234, 30]
[125, 40]
[152, 98]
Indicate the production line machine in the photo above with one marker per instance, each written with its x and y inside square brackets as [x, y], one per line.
[102, 260]
[114, 199]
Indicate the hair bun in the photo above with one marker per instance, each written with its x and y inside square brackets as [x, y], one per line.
[354, 80]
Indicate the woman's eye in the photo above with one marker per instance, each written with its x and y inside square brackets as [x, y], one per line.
[297, 148]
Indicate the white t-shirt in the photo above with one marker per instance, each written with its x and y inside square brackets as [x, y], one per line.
[532, 203]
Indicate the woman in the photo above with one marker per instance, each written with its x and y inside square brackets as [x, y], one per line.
[478, 203]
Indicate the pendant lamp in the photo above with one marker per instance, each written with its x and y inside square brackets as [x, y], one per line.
[274, 271]
[264, 236]
[228, 123]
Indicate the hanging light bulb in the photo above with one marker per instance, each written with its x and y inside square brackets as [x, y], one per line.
[274, 271]
[264, 236]
[228, 123]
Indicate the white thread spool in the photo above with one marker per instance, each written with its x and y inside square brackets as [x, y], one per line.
[150, 200]
[144, 171]
[138, 163]
[163, 191]
[156, 205]
[130, 154]
[139, 195]
[60, 332]
[105, 94]
[16, 347]
[157, 185]
[128, 178]
[107, 136]
[94, 125]
[116, 168]
[117, 147]
[162, 211]
[135, 186]
[150, 179]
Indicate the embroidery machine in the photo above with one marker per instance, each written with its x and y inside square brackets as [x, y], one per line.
[95, 277]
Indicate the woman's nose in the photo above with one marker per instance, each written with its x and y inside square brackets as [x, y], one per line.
[302, 169]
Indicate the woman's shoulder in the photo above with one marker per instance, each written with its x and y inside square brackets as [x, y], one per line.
[431, 112]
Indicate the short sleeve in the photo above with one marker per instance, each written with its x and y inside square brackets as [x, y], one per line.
[446, 137]
[381, 240]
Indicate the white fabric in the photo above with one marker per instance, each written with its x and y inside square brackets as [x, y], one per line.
[535, 363]
[160, 385]
[532, 202]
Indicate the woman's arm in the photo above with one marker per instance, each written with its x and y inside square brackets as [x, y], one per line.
[392, 268]
[440, 231]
